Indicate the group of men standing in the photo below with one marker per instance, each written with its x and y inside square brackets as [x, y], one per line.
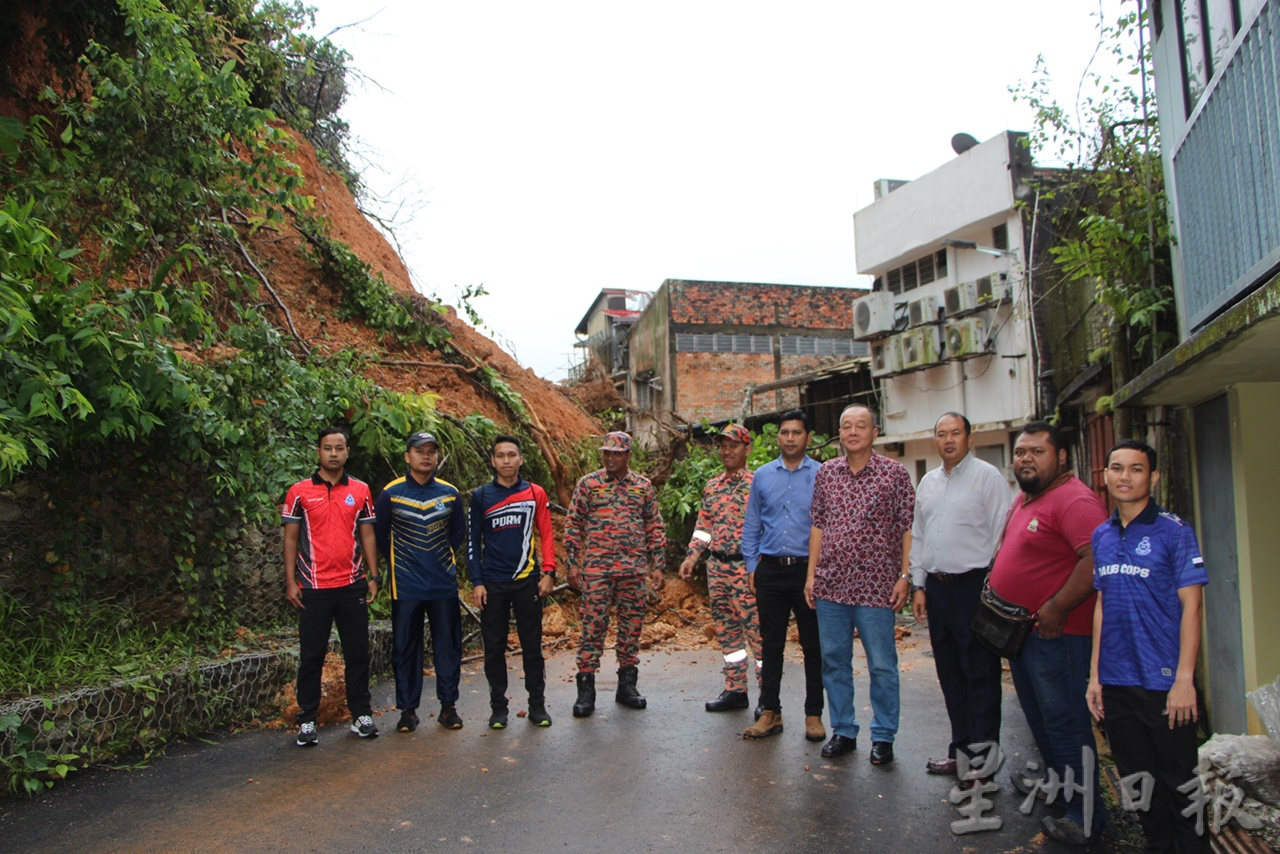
[842, 546]
[333, 536]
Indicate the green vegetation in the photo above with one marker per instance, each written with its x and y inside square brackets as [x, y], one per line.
[152, 410]
[30, 770]
[1111, 215]
[681, 493]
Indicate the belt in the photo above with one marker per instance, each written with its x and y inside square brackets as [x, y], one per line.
[955, 576]
[781, 560]
[728, 557]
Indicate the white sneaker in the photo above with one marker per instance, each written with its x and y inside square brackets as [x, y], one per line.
[363, 727]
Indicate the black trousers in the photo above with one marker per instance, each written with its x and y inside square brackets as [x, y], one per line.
[1141, 741]
[321, 610]
[408, 648]
[968, 674]
[779, 593]
[504, 599]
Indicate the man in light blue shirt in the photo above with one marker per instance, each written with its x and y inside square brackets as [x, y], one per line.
[775, 544]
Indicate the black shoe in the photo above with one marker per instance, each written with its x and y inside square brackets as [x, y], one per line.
[881, 752]
[408, 721]
[839, 745]
[538, 715]
[448, 718]
[759, 711]
[586, 702]
[627, 694]
[498, 718]
[1066, 831]
[728, 701]
[1024, 786]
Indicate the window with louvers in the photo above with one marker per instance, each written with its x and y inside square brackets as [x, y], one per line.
[687, 342]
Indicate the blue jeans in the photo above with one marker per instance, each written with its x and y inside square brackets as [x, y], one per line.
[1051, 678]
[836, 623]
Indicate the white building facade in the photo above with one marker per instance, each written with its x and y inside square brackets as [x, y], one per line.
[949, 317]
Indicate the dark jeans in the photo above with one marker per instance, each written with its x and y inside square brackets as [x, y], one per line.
[1051, 678]
[968, 674]
[522, 599]
[445, 617]
[1141, 741]
[779, 593]
[321, 610]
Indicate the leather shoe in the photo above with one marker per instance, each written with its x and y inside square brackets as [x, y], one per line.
[813, 730]
[839, 745]
[881, 752]
[770, 723]
[941, 766]
[728, 701]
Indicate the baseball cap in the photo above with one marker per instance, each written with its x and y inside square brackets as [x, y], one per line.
[416, 439]
[736, 432]
[616, 441]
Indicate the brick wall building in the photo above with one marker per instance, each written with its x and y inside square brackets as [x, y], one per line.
[700, 348]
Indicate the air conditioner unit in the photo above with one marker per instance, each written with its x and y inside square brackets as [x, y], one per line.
[920, 348]
[923, 310]
[961, 299]
[885, 357]
[873, 315]
[990, 289]
[966, 338]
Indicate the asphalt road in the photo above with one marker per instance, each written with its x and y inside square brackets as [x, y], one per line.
[672, 777]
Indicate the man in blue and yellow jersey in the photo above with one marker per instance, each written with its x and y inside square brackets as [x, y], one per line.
[420, 520]
[511, 559]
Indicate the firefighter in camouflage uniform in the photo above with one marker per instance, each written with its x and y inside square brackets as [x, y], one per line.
[718, 535]
[614, 536]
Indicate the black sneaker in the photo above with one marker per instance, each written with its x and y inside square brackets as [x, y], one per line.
[363, 727]
[497, 719]
[307, 735]
[538, 715]
[408, 721]
[448, 718]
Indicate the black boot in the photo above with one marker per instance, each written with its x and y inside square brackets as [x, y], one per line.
[586, 703]
[627, 693]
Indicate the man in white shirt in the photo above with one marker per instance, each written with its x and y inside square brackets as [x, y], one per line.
[959, 516]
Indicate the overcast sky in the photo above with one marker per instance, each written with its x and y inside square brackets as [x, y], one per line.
[546, 150]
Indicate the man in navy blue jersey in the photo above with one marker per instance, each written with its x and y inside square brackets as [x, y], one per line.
[1146, 635]
[510, 527]
[420, 521]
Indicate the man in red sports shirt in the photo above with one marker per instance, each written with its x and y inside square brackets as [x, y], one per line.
[328, 529]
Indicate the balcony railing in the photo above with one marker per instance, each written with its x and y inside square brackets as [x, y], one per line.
[1228, 177]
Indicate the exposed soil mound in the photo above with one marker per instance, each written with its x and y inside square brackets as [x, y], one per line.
[314, 307]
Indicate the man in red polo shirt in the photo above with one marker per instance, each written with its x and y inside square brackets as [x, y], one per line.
[328, 543]
[1045, 564]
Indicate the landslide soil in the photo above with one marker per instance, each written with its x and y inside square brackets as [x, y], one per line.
[314, 305]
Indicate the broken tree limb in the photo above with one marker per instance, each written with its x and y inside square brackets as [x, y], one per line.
[262, 277]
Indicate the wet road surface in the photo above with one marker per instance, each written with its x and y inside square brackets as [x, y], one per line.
[672, 777]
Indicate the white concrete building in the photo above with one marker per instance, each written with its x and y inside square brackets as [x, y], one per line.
[948, 319]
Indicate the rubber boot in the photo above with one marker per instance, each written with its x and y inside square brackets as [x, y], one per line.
[586, 703]
[627, 693]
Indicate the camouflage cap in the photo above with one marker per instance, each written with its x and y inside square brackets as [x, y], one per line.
[736, 432]
[617, 441]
